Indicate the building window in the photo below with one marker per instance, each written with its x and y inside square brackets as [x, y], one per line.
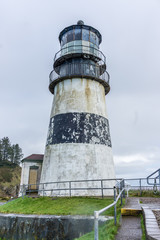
[64, 39]
[70, 36]
[78, 34]
[85, 35]
[92, 37]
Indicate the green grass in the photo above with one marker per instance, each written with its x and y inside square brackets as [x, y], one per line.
[143, 228]
[144, 193]
[68, 206]
[58, 206]
[106, 232]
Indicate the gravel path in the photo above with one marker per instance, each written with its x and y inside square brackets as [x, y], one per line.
[150, 200]
[154, 205]
[157, 215]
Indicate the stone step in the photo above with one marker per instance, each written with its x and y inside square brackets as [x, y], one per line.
[130, 211]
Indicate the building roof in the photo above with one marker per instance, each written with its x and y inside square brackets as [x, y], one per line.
[78, 26]
[34, 158]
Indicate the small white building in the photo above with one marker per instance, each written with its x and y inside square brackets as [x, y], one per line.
[31, 170]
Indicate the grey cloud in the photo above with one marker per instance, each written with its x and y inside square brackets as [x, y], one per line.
[131, 36]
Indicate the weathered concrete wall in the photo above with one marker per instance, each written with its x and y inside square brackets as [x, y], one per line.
[78, 142]
[34, 227]
[74, 161]
[79, 95]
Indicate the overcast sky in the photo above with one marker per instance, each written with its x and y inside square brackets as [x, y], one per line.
[130, 31]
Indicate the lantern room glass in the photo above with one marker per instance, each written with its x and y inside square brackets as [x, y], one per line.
[78, 34]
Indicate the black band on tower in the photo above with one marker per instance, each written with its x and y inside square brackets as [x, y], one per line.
[79, 128]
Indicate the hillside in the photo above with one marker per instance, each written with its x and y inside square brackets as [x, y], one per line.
[10, 174]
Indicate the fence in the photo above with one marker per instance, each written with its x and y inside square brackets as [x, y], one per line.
[141, 184]
[97, 187]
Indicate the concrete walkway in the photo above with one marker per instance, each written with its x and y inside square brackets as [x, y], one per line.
[152, 228]
[130, 228]
[131, 224]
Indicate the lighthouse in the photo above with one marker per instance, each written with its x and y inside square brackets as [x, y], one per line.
[78, 145]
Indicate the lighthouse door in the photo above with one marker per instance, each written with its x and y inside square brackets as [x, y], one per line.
[33, 177]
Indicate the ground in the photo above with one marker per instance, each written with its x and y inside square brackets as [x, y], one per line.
[9, 179]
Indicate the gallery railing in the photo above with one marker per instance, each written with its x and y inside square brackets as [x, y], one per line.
[69, 70]
[86, 51]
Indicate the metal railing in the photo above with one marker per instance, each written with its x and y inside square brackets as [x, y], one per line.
[153, 178]
[97, 213]
[80, 49]
[69, 188]
[88, 70]
[140, 184]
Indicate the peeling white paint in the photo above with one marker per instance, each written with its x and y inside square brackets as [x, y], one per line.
[75, 161]
[78, 161]
[79, 95]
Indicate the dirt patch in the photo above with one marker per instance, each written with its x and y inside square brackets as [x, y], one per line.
[9, 180]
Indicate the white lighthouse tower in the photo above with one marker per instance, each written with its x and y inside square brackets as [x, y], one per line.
[78, 144]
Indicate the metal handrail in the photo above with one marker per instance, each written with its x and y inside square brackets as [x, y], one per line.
[155, 178]
[80, 49]
[97, 213]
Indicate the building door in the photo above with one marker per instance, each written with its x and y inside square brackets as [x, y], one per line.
[33, 177]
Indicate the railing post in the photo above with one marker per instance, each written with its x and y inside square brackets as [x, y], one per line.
[70, 189]
[24, 188]
[22, 191]
[124, 194]
[102, 187]
[115, 210]
[29, 190]
[96, 215]
[140, 186]
[121, 186]
[127, 190]
[159, 178]
[43, 189]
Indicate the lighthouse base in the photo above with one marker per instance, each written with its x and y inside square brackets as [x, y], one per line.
[77, 169]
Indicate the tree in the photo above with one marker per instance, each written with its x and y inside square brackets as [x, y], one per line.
[16, 154]
[10, 152]
[0, 150]
[5, 149]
